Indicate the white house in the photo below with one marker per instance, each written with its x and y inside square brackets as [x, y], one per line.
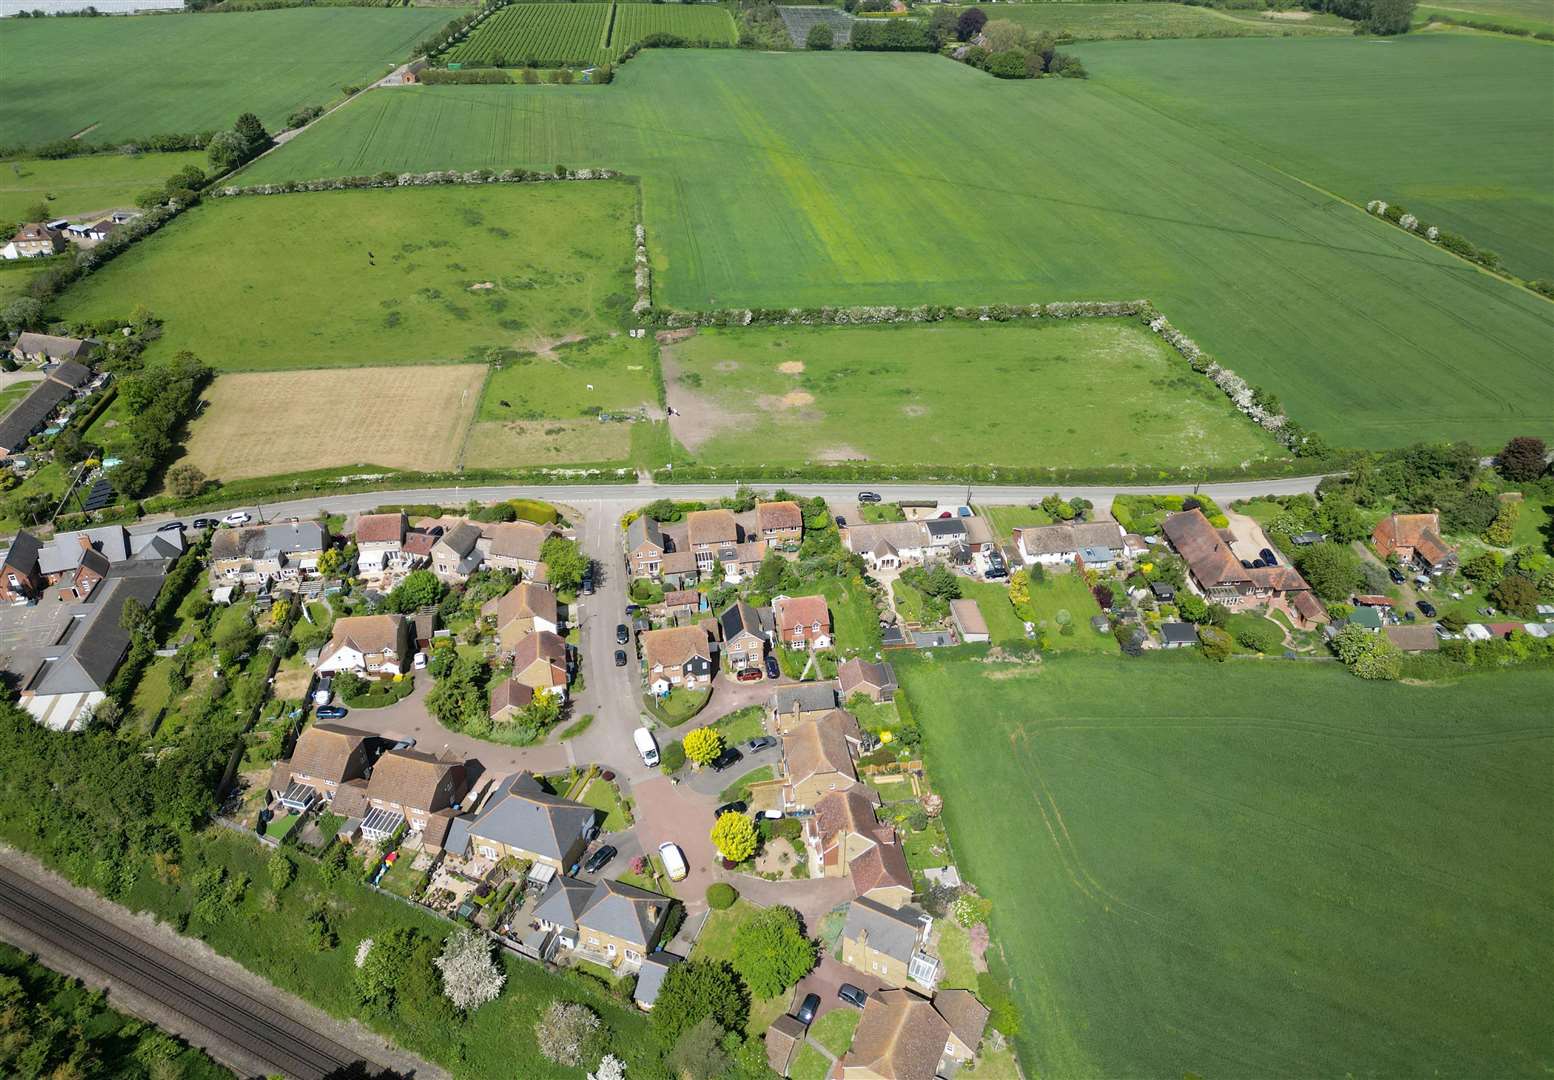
[368, 645]
[1059, 545]
[379, 540]
[888, 546]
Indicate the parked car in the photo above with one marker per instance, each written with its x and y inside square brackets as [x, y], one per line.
[727, 759]
[620, 657]
[1246, 564]
[1267, 556]
[807, 1009]
[773, 671]
[599, 860]
[735, 807]
[840, 521]
[588, 581]
[674, 861]
[204, 523]
[870, 497]
[1427, 609]
[760, 742]
[853, 995]
[237, 517]
[622, 635]
[749, 674]
[1396, 575]
[420, 661]
[170, 526]
[1257, 564]
[332, 712]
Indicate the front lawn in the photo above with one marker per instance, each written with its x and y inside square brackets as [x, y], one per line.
[379, 695]
[679, 706]
[740, 789]
[1006, 519]
[742, 725]
[716, 942]
[809, 1064]
[603, 796]
[834, 1030]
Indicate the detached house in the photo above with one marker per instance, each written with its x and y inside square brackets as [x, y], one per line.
[845, 838]
[608, 922]
[1061, 545]
[368, 645]
[409, 788]
[803, 622]
[680, 656]
[903, 1036]
[48, 348]
[877, 682]
[746, 632]
[1214, 569]
[790, 706]
[646, 546]
[508, 698]
[525, 609]
[817, 759]
[267, 556]
[1416, 540]
[326, 756]
[889, 943]
[34, 240]
[888, 546]
[713, 536]
[779, 522]
[514, 545]
[540, 663]
[380, 541]
[520, 819]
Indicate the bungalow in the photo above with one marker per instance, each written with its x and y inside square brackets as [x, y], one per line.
[803, 622]
[890, 545]
[746, 632]
[540, 663]
[456, 554]
[508, 698]
[267, 556]
[1060, 545]
[1414, 638]
[677, 657]
[43, 348]
[779, 522]
[609, 922]
[890, 944]
[406, 787]
[903, 1036]
[1416, 540]
[877, 682]
[968, 620]
[790, 706]
[34, 240]
[646, 546]
[514, 545]
[521, 820]
[524, 609]
[844, 837]
[326, 756]
[367, 645]
[32, 414]
[710, 532]
[1219, 575]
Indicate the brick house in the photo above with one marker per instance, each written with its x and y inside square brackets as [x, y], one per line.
[406, 787]
[877, 682]
[326, 756]
[1416, 540]
[514, 545]
[646, 546]
[540, 663]
[709, 533]
[35, 240]
[779, 522]
[745, 635]
[803, 622]
[890, 944]
[678, 657]
[524, 609]
[368, 645]
[905, 1036]
[521, 820]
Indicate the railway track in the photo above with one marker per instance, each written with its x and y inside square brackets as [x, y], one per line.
[225, 1011]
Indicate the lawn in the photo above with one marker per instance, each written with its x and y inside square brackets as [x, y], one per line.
[855, 620]
[764, 183]
[809, 1064]
[407, 276]
[1097, 22]
[740, 789]
[603, 796]
[92, 75]
[1003, 624]
[77, 186]
[1005, 519]
[679, 706]
[1060, 593]
[1255, 869]
[1530, 15]
[742, 725]
[906, 394]
[835, 1030]
[14, 393]
[716, 942]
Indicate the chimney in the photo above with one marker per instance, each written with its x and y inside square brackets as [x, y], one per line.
[653, 912]
[85, 541]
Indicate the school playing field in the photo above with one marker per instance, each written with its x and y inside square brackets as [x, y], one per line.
[765, 183]
[133, 76]
[378, 277]
[70, 187]
[1085, 393]
[1256, 869]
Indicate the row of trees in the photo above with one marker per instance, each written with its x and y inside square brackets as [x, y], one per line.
[160, 398]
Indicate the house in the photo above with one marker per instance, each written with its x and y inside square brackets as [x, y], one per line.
[677, 657]
[43, 348]
[745, 635]
[783, 1040]
[1095, 558]
[650, 977]
[877, 682]
[803, 622]
[31, 415]
[521, 820]
[645, 547]
[888, 546]
[779, 522]
[267, 556]
[817, 758]
[514, 545]
[76, 562]
[890, 944]
[945, 533]
[380, 542]
[326, 756]
[1178, 635]
[708, 532]
[368, 645]
[508, 698]
[968, 620]
[1219, 575]
[609, 922]
[20, 576]
[1416, 540]
[904, 1036]
[979, 535]
[791, 705]
[1414, 638]
[742, 561]
[1134, 545]
[844, 837]
[405, 787]
[456, 554]
[540, 663]
[1061, 545]
[524, 609]
[34, 240]
[678, 570]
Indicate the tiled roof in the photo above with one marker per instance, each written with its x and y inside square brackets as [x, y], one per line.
[674, 646]
[712, 527]
[1205, 551]
[415, 779]
[380, 528]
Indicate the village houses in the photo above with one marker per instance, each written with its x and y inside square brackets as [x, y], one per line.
[519, 819]
[368, 645]
[678, 657]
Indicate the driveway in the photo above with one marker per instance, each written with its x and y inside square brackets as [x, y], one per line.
[711, 784]
[1249, 538]
[666, 812]
[811, 897]
[730, 695]
[827, 978]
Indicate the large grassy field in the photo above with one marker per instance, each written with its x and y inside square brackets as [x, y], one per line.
[1371, 119]
[1099, 22]
[134, 76]
[1258, 869]
[1086, 393]
[1529, 15]
[403, 276]
[83, 185]
[765, 182]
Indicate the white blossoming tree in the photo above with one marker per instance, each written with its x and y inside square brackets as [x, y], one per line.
[362, 949]
[610, 1068]
[567, 1032]
[470, 976]
[1409, 222]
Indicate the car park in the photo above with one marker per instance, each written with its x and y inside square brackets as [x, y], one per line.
[727, 759]
[674, 861]
[760, 742]
[808, 1008]
[1427, 609]
[622, 635]
[599, 860]
[735, 807]
[773, 671]
[620, 657]
[870, 497]
[853, 995]
[237, 517]
[332, 712]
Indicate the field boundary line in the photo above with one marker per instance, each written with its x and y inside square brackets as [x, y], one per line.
[474, 418]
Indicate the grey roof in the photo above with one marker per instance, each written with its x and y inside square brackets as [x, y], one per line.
[1178, 632]
[70, 373]
[53, 346]
[650, 979]
[741, 617]
[1163, 589]
[624, 911]
[63, 553]
[522, 814]
[461, 538]
[23, 553]
[805, 697]
[253, 541]
[1096, 554]
[946, 527]
[29, 414]
[86, 660]
[891, 931]
[563, 901]
[643, 530]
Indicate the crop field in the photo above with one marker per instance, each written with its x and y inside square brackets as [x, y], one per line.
[530, 34]
[1474, 160]
[1257, 868]
[1530, 15]
[374, 277]
[1085, 393]
[763, 184]
[694, 22]
[133, 76]
[1098, 22]
[268, 423]
[70, 187]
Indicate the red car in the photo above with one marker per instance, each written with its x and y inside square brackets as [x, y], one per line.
[749, 674]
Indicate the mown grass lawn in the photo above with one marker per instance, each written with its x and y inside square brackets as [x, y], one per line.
[809, 1064]
[1064, 598]
[1099, 22]
[740, 789]
[1004, 625]
[855, 621]
[716, 942]
[1236, 869]
[835, 1030]
[603, 796]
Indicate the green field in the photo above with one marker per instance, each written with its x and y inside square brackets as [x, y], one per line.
[1086, 394]
[693, 22]
[129, 77]
[1098, 22]
[405, 276]
[764, 183]
[1534, 16]
[543, 34]
[1255, 869]
[1475, 160]
[84, 185]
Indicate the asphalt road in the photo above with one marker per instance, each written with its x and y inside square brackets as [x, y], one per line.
[287, 1047]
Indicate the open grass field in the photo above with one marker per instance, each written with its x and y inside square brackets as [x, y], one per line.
[74, 186]
[133, 76]
[1474, 160]
[531, 34]
[1530, 15]
[273, 422]
[1095, 394]
[1257, 868]
[11, 395]
[404, 276]
[1099, 22]
[764, 183]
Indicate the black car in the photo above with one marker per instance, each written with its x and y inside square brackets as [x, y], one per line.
[599, 860]
[735, 807]
[171, 526]
[870, 497]
[1396, 575]
[1427, 609]
[588, 582]
[840, 521]
[622, 635]
[331, 712]
[205, 523]
[1257, 564]
[1267, 556]
[1246, 564]
[808, 1008]
[759, 743]
[772, 670]
[620, 657]
[852, 995]
[726, 759]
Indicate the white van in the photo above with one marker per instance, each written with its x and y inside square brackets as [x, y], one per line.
[647, 746]
[674, 861]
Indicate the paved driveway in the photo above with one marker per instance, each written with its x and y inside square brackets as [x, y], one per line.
[810, 897]
[825, 980]
[667, 812]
